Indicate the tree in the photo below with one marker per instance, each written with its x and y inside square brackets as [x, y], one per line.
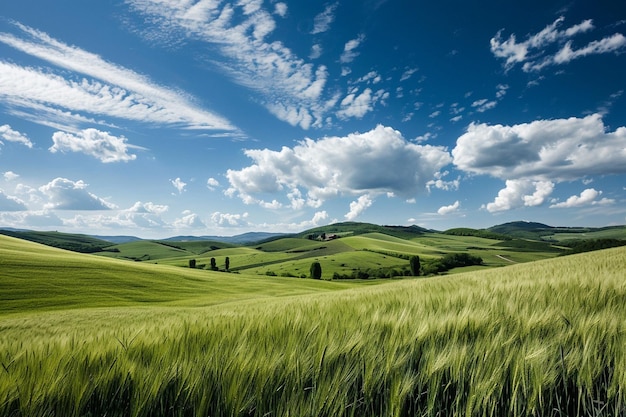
[414, 262]
[227, 263]
[213, 264]
[192, 263]
[316, 270]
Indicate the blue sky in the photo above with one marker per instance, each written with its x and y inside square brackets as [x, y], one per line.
[163, 117]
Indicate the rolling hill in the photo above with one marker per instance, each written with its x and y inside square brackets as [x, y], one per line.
[87, 335]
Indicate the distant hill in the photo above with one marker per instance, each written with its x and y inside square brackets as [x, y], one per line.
[242, 239]
[357, 228]
[118, 239]
[540, 231]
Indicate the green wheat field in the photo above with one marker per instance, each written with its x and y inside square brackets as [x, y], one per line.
[86, 335]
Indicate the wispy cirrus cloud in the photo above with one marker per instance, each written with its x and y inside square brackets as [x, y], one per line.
[110, 91]
[290, 88]
[11, 135]
[322, 21]
[537, 51]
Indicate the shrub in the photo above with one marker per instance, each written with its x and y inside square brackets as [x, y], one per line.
[316, 270]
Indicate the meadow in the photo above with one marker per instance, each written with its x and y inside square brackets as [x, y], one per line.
[544, 338]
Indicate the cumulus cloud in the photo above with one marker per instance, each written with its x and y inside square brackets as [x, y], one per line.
[11, 135]
[322, 22]
[143, 216]
[375, 162]
[64, 194]
[543, 150]
[10, 176]
[229, 219]
[189, 220]
[179, 185]
[520, 193]
[587, 198]
[358, 207]
[120, 92]
[290, 88]
[349, 49]
[453, 208]
[11, 203]
[149, 207]
[316, 51]
[537, 52]
[280, 9]
[212, 184]
[100, 145]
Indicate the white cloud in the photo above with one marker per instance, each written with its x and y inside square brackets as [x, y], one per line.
[371, 77]
[229, 219]
[519, 193]
[11, 203]
[483, 105]
[349, 49]
[358, 207]
[322, 22]
[606, 45]
[316, 51]
[64, 194]
[179, 185]
[408, 73]
[149, 207]
[212, 184]
[189, 221]
[374, 162]
[30, 219]
[548, 150]
[10, 176]
[280, 9]
[453, 208]
[142, 216]
[357, 105]
[290, 88]
[587, 198]
[124, 94]
[440, 183]
[100, 145]
[535, 52]
[11, 135]
[501, 90]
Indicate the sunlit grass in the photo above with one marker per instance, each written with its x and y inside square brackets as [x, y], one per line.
[541, 339]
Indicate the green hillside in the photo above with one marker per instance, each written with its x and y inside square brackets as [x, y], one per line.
[36, 277]
[73, 242]
[82, 335]
[352, 249]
